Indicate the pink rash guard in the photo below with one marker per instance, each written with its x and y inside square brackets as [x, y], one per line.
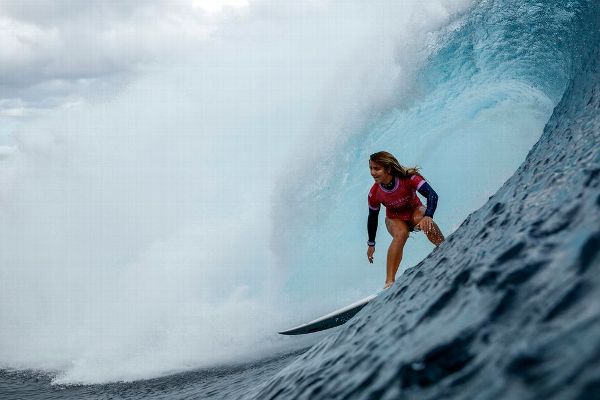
[400, 201]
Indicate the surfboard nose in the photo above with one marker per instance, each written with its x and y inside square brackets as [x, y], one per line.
[331, 320]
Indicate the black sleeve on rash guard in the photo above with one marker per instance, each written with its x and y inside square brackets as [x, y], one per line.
[372, 224]
[432, 198]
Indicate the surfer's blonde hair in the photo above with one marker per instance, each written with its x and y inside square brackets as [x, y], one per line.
[389, 162]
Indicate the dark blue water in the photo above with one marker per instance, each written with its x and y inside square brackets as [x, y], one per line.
[215, 383]
[509, 306]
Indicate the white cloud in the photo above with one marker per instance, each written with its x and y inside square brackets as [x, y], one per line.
[213, 6]
[53, 52]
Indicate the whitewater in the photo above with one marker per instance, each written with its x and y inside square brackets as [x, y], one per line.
[155, 239]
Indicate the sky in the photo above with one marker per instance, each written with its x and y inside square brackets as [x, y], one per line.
[58, 54]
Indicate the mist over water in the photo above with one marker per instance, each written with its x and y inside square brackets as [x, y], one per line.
[220, 196]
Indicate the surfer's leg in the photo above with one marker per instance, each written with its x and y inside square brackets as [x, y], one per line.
[399, 231]
[435, 236]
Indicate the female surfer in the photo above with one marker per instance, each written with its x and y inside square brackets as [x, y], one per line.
[396, 188]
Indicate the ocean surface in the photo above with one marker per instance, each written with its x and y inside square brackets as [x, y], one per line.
[509, 306]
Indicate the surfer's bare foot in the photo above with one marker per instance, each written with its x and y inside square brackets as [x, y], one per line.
[388, 285]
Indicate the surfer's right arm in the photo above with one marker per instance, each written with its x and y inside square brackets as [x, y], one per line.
[372, 226]
[374, 207]
[372, 230]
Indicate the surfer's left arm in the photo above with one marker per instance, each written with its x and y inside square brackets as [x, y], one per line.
[427, 191]
[432, 198]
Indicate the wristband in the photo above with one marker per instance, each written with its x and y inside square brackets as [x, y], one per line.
[371, 244]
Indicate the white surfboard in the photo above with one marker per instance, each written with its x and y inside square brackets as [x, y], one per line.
[331, 320]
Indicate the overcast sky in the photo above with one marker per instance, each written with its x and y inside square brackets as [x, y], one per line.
[57, 53]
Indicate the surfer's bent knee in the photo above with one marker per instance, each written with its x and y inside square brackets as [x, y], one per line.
[397, 228]
[418, 215]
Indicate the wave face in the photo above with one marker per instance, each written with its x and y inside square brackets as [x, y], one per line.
[509, 305]
[485, 89]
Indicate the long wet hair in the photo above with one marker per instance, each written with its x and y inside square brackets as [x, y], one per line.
[389, 162]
